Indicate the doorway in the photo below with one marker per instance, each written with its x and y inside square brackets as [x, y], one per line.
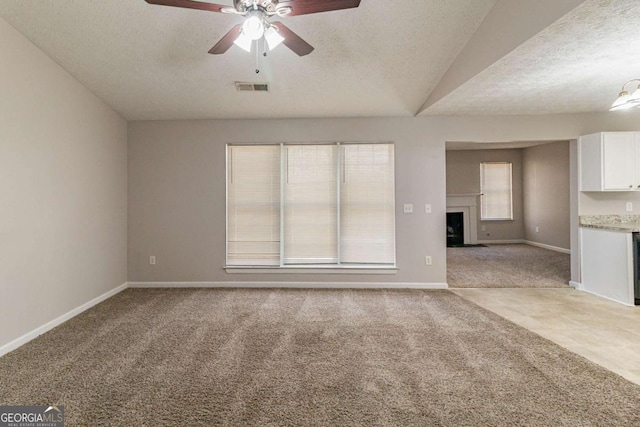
[533, 248]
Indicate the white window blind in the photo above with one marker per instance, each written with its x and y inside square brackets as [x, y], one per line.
[296, 204]
[367, 207]
[253, 205]
[495, 186]
[310, 204]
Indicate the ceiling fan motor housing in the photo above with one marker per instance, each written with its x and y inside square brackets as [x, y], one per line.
[268, 6]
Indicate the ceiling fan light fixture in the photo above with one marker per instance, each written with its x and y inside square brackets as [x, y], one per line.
[635, 96]
[273, 37]
[253, 27]
[243, 42]
[621, 102]
[625, 99]
[257, 14]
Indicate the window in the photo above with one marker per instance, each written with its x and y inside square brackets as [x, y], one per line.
[310, 205]
[253, 205]
[495, 186]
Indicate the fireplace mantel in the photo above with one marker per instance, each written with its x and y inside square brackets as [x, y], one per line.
[468, 205]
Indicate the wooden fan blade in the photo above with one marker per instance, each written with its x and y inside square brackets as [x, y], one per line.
[225, 42]
[189, 4]
[293, 41]
[305, 7]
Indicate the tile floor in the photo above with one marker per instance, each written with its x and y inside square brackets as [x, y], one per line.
[600, 330]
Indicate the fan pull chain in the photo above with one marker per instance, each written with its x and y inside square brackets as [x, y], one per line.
[257, 56]
[264, 53]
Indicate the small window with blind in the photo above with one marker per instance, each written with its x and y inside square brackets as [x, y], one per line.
[297, 205]
[495, 185]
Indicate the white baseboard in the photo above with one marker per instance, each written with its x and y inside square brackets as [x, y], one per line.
[545, 246]
[59, 320]
[526, 242]
[607, 298]
[323, 285]
[501, 242]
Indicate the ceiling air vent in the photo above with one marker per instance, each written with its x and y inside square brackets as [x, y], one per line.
[252, 87]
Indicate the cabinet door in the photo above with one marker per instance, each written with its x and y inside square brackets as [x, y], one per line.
[619, 160]
[607, 264]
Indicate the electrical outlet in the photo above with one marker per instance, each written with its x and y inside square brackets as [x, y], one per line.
[427, 260]
[537, 229]
[427, 208]
[408, 208]
[152, 260]
[483, 228]
[629, 207]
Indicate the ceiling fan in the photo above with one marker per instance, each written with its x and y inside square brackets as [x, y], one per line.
[257, 24]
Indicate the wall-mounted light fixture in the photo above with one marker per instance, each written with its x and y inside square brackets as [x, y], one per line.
[626, 99]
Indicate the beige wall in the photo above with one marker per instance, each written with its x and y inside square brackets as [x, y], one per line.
[546, 194]
[63, 191]
[177, 195]
[609, 203]
[463, 177]
[177, 182]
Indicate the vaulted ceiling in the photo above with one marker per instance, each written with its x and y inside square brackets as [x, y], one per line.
[398, 58]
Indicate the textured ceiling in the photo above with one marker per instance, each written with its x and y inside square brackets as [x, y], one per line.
[381, 59]
[577, 64]
[151, 62]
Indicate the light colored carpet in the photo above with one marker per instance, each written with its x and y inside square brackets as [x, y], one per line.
[507, 266]
[236, 357]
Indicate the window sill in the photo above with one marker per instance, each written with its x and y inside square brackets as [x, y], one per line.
[313, 269]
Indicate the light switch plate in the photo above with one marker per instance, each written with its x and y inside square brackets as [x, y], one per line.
[408, 208]
[427, 208]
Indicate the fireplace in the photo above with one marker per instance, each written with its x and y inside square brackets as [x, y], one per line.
[465, 205]
[455, 229]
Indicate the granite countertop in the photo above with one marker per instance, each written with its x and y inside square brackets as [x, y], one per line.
[621, 223]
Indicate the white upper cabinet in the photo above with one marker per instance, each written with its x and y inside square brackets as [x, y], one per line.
[610, 161]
